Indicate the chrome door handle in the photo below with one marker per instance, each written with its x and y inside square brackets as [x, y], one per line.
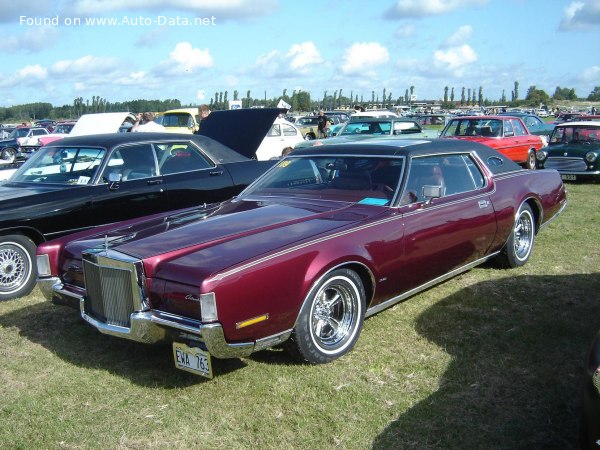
[484, 203]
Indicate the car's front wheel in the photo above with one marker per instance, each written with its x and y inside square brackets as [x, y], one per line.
[18, 271]
[520, 242]
[531, 160]
[8, 155]
[331, 318]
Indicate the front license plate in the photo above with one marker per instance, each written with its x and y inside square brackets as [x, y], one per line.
[569, 177]
[192, 359]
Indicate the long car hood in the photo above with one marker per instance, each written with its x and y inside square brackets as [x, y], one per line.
[15, 191]
[242, 130]
[196, 242]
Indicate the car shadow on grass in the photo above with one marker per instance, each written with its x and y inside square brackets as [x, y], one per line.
[517, 350]
[61, 330]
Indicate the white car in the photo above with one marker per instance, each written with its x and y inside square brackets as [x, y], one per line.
[281, 135]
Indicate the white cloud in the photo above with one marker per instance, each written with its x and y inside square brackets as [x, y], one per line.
[580, 15]
[201, 95]
[456, 57]
[591, 75]
[362, 57]
[460, 37]
[302, 56]
[88, 64]
[423, 8]
[188, 59]
[36, 71]
[298, 60]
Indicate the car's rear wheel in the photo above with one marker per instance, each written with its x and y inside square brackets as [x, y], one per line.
[520, 242]
[331, 318]
[531, 160]
[8, 155]
[18, 271]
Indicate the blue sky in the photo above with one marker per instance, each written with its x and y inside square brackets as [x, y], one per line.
[55, 51]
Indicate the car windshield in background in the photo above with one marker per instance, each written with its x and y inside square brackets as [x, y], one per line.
[372, 181]
[380, 127]
[474, 127]
[579, 134]
[58, 165]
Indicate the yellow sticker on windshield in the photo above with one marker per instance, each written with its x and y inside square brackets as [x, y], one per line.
[284, 163]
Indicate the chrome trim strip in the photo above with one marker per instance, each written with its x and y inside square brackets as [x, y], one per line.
[391, 302]
[558, 213]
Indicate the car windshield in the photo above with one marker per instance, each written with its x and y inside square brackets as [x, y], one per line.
[366, 180]
[177, 120]
[18, 132]
[308, 121]
[367, 127]
[474, 127]
[60, 165]
[576, 134]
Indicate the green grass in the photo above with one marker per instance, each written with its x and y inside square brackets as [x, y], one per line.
[491, 359]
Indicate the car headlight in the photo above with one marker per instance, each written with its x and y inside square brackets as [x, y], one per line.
[541, 155]
[591, 156]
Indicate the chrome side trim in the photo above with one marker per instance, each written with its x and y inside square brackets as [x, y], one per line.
[391, 302]
[271, 341]
[558, 213]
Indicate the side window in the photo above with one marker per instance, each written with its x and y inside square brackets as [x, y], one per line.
[423, 172]
[518, 128]
[455, 174]
[181, 157]
[274, 131]
[508, 128]
[132, 162]
[289, 130]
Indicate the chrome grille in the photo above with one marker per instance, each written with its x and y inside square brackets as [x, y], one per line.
[112, 289]
[574, 164]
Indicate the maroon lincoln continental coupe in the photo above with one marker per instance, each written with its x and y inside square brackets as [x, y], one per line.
[328, 236]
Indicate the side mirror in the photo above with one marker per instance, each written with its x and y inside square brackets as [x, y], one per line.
[430, 192]
[114, 180]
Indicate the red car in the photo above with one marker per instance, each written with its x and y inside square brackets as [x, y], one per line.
[507, 134]
[328, 236]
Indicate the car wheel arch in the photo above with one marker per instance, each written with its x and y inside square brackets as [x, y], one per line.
[35, 235]
[360, 268]
[536, 209]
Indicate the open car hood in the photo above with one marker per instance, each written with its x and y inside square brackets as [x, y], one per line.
[250, 127]
[100, 123]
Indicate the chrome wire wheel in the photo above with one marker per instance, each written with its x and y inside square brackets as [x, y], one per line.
[523, 234]
[14, 266]
[334, 313]
[17, 272]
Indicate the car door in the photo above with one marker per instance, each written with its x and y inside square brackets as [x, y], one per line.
[446, 233]
[128, 186]
[191, 177]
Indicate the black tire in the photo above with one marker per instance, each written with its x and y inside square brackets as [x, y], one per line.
[531, 160]
[8, 155]
[520, 242]
[309, 137]
[331, 318]
[18, 271]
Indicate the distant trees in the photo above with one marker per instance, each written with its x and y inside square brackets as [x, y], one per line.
[595, 94]
[299, 100]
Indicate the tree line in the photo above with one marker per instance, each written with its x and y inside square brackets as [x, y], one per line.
[299, 100]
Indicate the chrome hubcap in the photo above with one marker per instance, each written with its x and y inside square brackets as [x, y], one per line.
[523, 235]
[333, 313]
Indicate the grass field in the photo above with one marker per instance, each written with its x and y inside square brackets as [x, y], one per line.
[491, 359]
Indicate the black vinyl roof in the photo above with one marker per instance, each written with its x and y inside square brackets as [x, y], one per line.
[412, 148]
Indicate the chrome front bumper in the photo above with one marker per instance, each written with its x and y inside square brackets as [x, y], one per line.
[153, 326]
